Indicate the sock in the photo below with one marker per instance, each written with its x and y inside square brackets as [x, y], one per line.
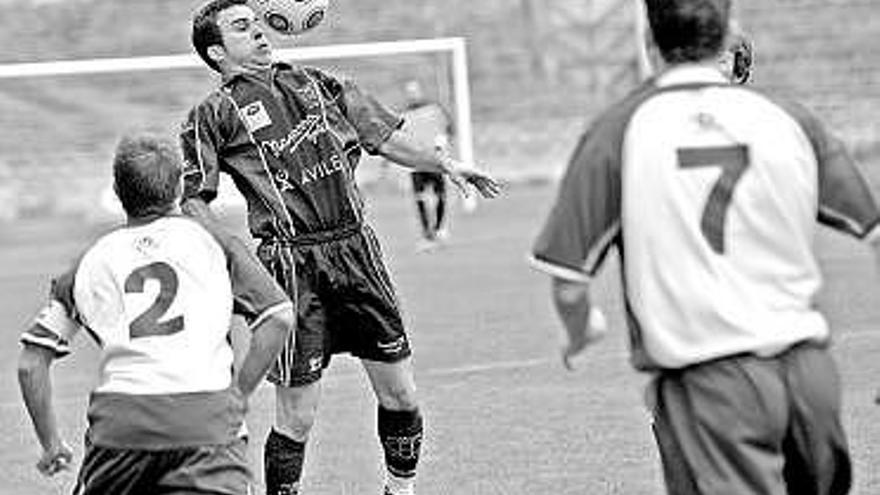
[401, 435]
[399, 486]
[423, 218]
[283, 463]
[441, 211]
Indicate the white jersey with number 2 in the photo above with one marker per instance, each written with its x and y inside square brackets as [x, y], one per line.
[158, 300]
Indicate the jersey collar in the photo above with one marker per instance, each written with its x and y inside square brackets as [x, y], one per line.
[259, 74]
[691, 74]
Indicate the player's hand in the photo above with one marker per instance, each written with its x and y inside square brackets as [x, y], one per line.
[596, 328]
[55, 459]
[464, 175]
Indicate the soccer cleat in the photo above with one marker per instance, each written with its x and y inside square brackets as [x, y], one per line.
[388, 491]
[442, 234]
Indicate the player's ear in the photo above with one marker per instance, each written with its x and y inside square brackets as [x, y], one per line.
[652, 60]
[216, 53]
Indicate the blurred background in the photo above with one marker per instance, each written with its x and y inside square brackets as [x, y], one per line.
[539, 71]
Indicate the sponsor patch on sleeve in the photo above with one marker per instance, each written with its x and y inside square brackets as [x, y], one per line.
[255, 116]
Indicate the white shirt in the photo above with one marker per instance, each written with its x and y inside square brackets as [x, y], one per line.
[711, 193]
[158, 299]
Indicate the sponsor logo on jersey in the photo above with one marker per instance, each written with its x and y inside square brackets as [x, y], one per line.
[255, 116]
[145, 244]
[322, 169]
[309, 97]
[315, 364]
[394, 347]
[282, 178]
[308, 128]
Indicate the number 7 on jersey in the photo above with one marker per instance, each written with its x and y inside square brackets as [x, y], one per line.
[733, 160]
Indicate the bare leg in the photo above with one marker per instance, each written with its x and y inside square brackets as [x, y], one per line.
[295, 411]
[399, 422]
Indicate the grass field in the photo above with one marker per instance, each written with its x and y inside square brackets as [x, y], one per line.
[503, 417]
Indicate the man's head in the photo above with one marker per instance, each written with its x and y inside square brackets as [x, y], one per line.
[688, 30]
[147, 175]
[227, 34]
[414, 93]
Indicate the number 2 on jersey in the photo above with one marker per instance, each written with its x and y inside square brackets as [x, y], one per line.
[733, 160]
[147, 324]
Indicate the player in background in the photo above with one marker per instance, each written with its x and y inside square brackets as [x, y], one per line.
[710, 192]
[156, 296]
[291, 137]
[737, 59]
[429, 124]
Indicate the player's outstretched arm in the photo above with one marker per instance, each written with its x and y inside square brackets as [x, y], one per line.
[267, 340]
[401, 149]
[35, 381]
[583, 322]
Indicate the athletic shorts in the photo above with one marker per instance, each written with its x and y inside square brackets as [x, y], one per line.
[216, 469]
[345, 302]
[421, 181]
[752, 425]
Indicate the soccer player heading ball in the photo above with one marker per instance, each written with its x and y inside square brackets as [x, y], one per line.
[291, 138]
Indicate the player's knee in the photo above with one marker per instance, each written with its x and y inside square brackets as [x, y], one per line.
[295, 414]
[295, 424]
[399, 396]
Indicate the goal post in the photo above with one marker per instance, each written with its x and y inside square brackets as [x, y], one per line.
[396, 58]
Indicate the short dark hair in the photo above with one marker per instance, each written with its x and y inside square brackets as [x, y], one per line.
[206, 32]
[146, 174]
[688, 30]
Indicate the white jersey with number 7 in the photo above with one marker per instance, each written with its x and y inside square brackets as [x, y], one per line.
[711, 193]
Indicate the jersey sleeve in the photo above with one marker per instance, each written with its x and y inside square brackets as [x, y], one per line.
[845, 199]
[199, 141]
[256, 295]
[58, 322]
[373, 121]
[585, 218]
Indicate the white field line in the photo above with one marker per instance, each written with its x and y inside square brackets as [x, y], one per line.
[470, 369]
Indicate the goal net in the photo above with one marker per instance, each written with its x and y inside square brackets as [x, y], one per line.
[61, 119]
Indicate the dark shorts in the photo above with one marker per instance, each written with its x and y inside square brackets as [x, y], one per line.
[220, 469]
[345, 302]
[423, 180]
[751, 425]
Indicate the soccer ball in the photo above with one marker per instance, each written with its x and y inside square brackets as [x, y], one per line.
[290, 17]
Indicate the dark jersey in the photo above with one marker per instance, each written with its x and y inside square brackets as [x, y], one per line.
[290, 138]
